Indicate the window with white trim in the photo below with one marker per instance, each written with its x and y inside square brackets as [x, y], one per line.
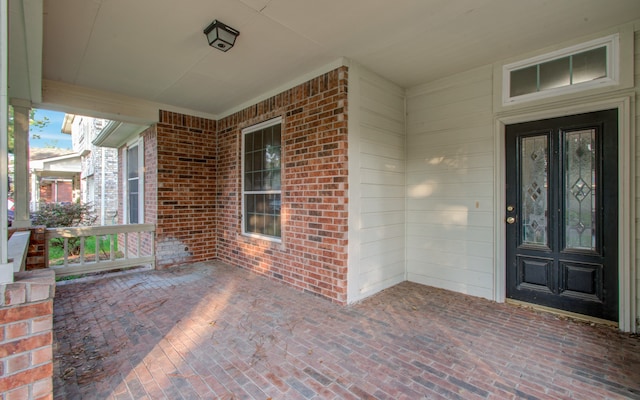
[261, 180]
[577, 68]
[134, 183]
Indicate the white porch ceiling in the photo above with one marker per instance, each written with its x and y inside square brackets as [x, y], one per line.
[155, 51]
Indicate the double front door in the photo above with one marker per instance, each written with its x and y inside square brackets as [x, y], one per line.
[561, 216]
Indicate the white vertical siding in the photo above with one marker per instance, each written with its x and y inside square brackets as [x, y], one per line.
[450, 183]
[376, 184]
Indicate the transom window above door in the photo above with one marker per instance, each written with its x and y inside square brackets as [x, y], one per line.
[581, 67]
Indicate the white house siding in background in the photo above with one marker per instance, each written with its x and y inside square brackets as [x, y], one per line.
[376, 183]
[450, 183]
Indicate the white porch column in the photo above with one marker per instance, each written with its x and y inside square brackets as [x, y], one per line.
[6, 269]
[21, 111]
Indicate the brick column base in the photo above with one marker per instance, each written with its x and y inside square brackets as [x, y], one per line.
[26, 336]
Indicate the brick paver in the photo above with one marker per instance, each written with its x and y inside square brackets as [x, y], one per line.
[211, 331]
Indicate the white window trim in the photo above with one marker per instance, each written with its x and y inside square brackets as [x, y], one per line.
[125, 181]
[612, 44]
[253, 128]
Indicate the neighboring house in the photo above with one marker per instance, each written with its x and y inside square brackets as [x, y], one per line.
[99, 166]
[55, 176]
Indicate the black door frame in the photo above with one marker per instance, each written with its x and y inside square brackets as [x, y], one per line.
[626, 192]
[595, 271]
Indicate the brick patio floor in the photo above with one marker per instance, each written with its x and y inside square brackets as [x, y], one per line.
[213, 331]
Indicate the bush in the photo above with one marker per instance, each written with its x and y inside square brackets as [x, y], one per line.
[60, 215]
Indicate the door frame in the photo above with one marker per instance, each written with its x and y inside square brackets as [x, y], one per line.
[627, 306]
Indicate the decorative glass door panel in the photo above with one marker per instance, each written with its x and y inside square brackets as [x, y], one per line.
[580, 190]
[561, 216]
[534, 178]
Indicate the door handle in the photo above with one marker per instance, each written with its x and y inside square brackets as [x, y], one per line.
[511, 220]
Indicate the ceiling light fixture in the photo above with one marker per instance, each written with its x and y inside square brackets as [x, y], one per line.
[221, 36]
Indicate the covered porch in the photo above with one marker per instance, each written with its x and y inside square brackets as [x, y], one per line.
[209, 330]
[385, 150]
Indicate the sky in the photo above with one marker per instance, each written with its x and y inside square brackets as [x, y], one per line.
[50, 135]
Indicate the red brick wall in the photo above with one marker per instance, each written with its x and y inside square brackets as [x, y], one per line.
[186, 189]
[313, 252]
[64, 190]
[46, 191]
[193, 168]
[26, 338]
[38, 247]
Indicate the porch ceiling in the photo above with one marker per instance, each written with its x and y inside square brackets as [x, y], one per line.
[155, 51]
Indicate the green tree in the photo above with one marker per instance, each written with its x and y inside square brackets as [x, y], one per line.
[40, 124]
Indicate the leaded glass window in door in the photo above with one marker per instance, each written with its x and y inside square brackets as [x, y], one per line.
[580, 190]
[534, 184]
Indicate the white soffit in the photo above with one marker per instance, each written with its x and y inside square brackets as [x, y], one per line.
[155, 50]
[115, 134]
[25, 49]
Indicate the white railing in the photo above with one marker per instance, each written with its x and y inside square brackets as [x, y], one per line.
[18, 249]
[128, 246]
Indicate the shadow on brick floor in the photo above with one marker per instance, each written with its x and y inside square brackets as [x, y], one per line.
[211, 331]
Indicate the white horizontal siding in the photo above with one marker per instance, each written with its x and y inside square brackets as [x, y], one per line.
[386, 276]
[453, 232]
[370, 191]
[457, 177]
[377, 150]
[450, 184]
[440, 188]
[370, 206]
[380, 177]
[443, 136]
[431, 151]
[451, 124]
[445, 161]
[377, 188]
[451, 245]
[458, 216]
[381, 233]
[451, 96]
[377, 220]
[479, 203]
[472, 106]
[374, 163]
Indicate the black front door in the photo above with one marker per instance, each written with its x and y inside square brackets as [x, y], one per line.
[561, 216]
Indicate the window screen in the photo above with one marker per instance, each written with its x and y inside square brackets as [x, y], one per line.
[262, 181]
[133, 180]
